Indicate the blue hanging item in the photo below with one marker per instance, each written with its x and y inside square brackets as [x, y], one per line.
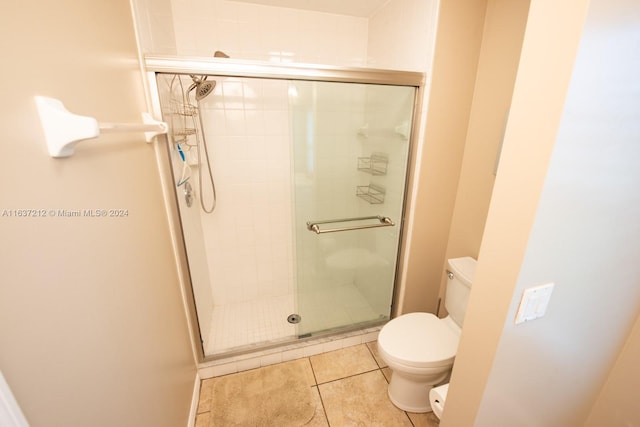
[182, 156]
[186, 170]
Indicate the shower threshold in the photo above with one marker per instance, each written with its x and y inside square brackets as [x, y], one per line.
[266, 322]
[256, 356]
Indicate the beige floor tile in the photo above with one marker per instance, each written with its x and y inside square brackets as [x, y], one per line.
[319, 418]
[234, 396]
[373, 346]
[361, 400]
[203, 420]
[427, 419]
[387, 373]
[306, 365]
[204, 403]
[342, 363]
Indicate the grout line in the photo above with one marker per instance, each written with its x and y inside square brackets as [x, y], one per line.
[317, 386]
[372, 355]
[354, 375]
[387, 381]
[410, 420]
[315, 379]
[326, 417]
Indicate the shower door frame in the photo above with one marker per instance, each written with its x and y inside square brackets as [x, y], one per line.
[225, 67]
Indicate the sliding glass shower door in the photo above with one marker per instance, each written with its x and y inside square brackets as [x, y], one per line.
[350, 156]
[310, 181]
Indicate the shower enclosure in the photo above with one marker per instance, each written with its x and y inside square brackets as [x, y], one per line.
[310, 170]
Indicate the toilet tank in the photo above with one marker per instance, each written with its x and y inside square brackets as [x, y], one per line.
[460, 273]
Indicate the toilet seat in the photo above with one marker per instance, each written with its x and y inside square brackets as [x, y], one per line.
[418, 340]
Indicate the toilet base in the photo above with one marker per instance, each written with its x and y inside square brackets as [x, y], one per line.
[411, 395]
[413, 409]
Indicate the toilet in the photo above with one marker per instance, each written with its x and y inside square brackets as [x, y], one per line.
[420, 347]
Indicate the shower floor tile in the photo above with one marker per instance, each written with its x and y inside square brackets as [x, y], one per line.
[242, 324]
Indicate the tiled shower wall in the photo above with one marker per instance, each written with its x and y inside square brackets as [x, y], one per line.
[248, 238]
[250, 31]
[353, 121]
[388, 114]
[399, 35]
[325, 126]
[154, 26]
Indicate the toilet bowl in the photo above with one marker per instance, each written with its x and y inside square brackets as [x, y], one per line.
[420, 347]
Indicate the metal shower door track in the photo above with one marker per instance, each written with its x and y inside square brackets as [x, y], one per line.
[292, 71]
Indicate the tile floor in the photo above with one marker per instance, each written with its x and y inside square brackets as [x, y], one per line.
[350, 389]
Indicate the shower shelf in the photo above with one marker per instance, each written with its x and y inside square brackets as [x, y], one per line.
[183, 132]
[374, 165]
[374, 194]
[183, 109]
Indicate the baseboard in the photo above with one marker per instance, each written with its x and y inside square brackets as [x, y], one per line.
[194, 402]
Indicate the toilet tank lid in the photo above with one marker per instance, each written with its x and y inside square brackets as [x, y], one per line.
[464, 268]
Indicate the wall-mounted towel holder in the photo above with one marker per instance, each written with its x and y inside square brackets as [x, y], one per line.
[63, 130]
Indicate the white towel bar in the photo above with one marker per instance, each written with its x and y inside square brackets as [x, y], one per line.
[63, 130]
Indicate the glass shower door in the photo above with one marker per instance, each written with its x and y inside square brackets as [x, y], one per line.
[350, 157]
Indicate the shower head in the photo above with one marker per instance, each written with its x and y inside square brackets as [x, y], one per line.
[202, 86]
[200, 83]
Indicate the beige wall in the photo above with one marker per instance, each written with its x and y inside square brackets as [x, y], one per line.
[431, 206]
[536, 107]
[576, 227]
[92, 327]
[504, 27]
[617, 404]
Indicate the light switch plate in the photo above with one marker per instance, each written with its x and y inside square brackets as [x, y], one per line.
[534, 302]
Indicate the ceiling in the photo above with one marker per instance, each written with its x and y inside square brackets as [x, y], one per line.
[361, 8]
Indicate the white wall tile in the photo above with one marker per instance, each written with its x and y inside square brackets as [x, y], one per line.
[219, 370]
[271, 359]
[401, 35]
[250, 230]
[247, 364]
[248, 126]
[250, 31]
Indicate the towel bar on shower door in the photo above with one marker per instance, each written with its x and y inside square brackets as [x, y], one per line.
[383, 221]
